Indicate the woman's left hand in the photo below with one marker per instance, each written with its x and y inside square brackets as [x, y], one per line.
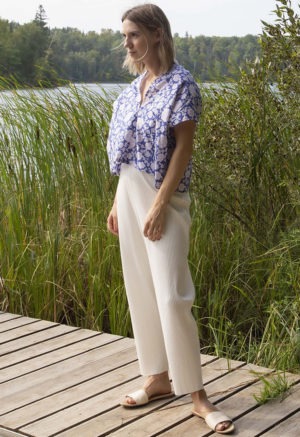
[155, 222]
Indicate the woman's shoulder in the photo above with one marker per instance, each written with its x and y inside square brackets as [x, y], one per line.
[181, 76]
[129, 92]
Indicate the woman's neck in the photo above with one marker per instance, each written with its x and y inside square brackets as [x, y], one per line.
[153, 68]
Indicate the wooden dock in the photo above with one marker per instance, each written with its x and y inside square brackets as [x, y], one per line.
[57, 380]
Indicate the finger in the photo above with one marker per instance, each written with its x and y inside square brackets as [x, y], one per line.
[112, 225]
[146, 229]
[115, 224]
[155, 234]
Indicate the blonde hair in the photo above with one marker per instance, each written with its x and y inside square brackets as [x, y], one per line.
[152, 18]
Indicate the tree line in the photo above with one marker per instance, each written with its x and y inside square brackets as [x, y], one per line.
[33, 54]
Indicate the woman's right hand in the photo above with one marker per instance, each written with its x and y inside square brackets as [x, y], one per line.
[112, 220]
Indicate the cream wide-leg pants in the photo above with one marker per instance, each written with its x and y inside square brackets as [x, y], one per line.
[158, 283]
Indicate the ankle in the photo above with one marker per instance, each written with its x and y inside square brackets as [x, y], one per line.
[158, 377]
[157, 382]
[199, 396]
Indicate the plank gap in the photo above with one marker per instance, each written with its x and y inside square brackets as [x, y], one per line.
[112, 430]
[283, 419]
[278, 423]
[85, 421]
[55, 349]
[19, 326]
[13, 317]
[38, 342]
[59, 361]
[173, 425]
[29, 333]
[81, 400]
[213, 359]
[8, 432]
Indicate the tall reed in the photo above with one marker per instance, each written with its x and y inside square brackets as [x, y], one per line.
[57, 260]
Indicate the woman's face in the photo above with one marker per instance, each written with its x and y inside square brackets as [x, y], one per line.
[140, 44]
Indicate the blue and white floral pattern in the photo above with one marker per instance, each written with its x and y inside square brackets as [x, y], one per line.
[142, 134]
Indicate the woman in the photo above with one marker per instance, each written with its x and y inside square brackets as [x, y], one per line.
[150, 147]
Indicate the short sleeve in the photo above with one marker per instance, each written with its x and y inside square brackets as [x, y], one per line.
[187, 105]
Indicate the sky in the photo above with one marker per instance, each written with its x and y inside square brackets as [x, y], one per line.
[196, 17]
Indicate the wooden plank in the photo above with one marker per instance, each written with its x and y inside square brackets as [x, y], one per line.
[237, 379]
[37, 337]
[8, 316]
[65, 374]
[16, 323]
[76, 394]
[25, 330]
[205, 359]
[8, 433]
[90, 340]
[218, 368]
[46, 348]
[289, 427]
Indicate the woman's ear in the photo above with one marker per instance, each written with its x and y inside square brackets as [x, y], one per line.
[159, 34]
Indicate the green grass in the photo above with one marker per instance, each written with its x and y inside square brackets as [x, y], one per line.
[274, 387]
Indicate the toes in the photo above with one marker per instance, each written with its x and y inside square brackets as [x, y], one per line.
[222, 426]
[130, 401]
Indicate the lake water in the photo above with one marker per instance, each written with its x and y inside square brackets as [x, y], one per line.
[8, 99]
[112, 89]
[103, 89]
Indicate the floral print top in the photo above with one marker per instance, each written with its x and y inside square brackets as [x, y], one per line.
[142, 134]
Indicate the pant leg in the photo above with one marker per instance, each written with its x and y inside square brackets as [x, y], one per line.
[175, 295]
[139, 286]
[158, 282]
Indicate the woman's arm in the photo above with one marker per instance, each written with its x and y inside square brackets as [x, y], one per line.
[155, 220]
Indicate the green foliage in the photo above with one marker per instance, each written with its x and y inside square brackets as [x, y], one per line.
[274, 387]
[40, 17]
[281, 47]
[216, 58]
[245, 166]
[37, 55]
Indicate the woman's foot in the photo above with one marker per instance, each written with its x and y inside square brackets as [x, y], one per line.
[154, 385]
[202, 407]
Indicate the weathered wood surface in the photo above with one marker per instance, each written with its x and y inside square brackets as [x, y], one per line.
[57, 380]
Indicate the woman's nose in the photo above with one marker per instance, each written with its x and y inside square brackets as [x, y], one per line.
[127, 42]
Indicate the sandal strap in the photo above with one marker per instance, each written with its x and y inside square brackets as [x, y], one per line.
[215, 417]
[140, 397]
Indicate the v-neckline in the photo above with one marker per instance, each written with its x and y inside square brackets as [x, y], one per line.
[143, 90]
